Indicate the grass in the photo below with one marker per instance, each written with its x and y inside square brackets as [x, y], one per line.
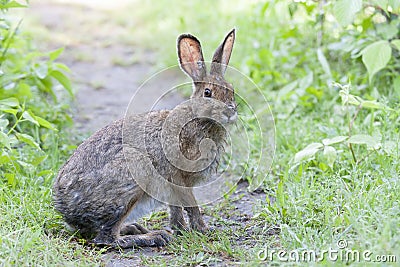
[30, 228]
[25, 217]
[318, 208]
[309, 205]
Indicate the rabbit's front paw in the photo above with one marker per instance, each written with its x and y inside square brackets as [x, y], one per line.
[179, 231]
[200, 226]
[196, 220]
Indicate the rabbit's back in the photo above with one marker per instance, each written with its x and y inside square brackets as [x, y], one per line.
[94, 185]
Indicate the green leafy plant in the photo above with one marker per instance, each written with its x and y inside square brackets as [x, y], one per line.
[377, 55]
[325, 146]
[29, 109]
[377, 27]
[34, 95]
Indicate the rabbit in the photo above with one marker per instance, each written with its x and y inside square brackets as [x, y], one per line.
[103, 189]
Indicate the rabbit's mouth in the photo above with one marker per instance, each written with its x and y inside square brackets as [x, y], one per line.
[229, 118]
[230, 114]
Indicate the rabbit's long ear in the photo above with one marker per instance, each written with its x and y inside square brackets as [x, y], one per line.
[191, 57]
[222, 55]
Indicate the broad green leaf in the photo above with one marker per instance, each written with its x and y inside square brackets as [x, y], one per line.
[330, 155]
[10, 102]
[27, 115]
[55, 53]
[373, 104]
[41, 70]
[345, 11]
[324, 63]
[28, 140]
[334, 140]
[24, 90]
[376, 56]
[396, 43]
[387, 31]
[11, 179]
[4, 140]
[11, 4]
[5, 157]
[364, 139]
[45, 123]
[63, 80]
[39, 121]
[25, 165]
[356, 100]
[314, 91]
[61, 67]
[9, 110]
[45, 172]
[361, 139]
[308, 152]
[3, 124]
[37, 160]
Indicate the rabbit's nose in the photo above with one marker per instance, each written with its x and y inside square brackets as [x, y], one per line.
[232, 106]
[231, 113]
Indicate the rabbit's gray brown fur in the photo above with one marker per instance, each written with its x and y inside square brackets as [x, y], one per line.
[95, 191]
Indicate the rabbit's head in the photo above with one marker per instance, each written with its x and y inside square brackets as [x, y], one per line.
[212, 86]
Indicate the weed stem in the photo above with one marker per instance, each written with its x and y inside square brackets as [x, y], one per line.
[351, 123]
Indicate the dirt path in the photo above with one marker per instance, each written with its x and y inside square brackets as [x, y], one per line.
[106, 74]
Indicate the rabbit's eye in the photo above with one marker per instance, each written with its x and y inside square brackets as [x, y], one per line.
[207, 92]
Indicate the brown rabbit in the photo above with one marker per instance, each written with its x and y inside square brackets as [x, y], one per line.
[113, 178]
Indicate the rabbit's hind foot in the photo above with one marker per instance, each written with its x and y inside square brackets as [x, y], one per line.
[133, 229]
[151, 239]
